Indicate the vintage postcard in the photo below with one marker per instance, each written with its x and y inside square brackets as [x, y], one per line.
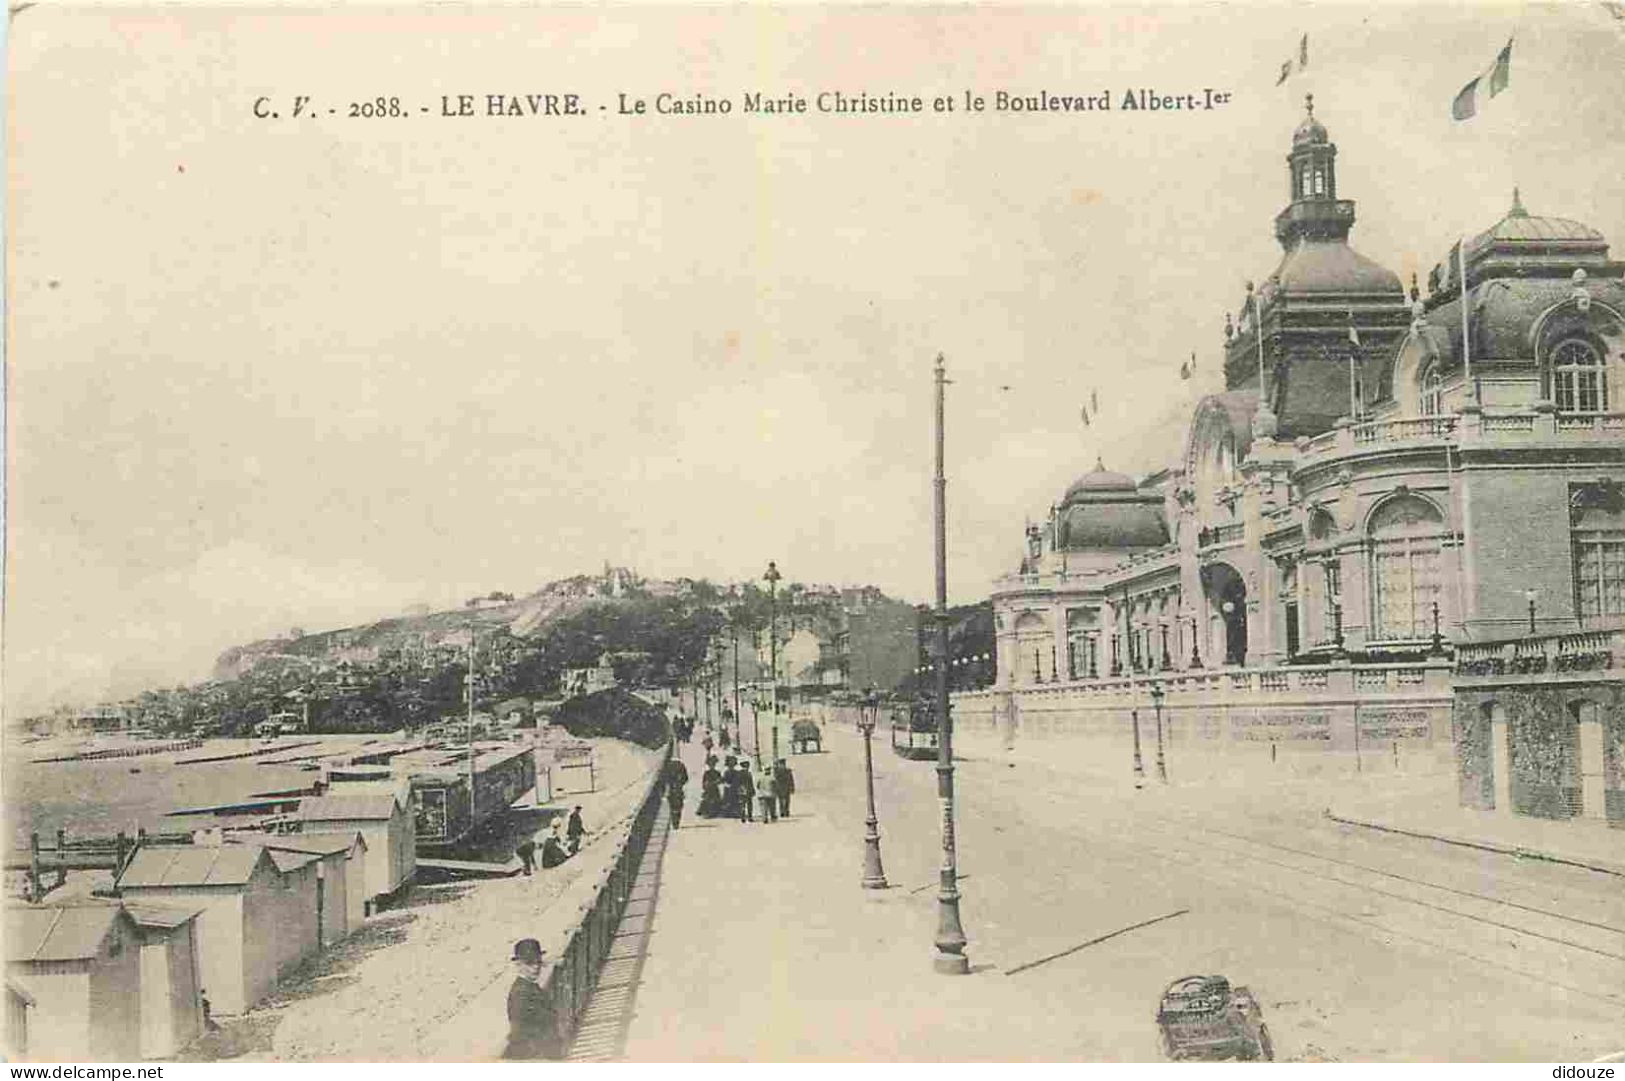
[886, 533]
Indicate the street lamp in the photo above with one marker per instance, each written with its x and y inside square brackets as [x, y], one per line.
[1529, 595]
[1167, 661]
[1437, 648]
[1134, 717]
[874, 875]
[771, 577]
[1156, 700]
[1196, 658]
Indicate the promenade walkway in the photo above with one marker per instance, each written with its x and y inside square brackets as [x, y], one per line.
[764, 947]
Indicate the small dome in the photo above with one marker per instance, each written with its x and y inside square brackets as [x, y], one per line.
[1310, 132]
[1322, 266]
[1112, 525]
[1096, 483]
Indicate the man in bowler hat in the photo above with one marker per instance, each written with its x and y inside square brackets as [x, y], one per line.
[533, 1026]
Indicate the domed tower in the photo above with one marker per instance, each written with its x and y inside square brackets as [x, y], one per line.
[1106, 514]
[1296, 326]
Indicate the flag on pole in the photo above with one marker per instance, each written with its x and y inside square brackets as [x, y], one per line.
[1086, 416]
[1354, 333]
[1291, 66]
[1094, 400]
[1184, 370]
[1494, 80]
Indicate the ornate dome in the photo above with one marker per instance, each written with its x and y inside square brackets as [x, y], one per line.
[1520, 225]
[1097, 482]
[1310, 132]
[1103, 509]
[1320, 266]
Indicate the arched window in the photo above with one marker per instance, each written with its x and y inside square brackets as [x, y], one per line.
[1579, 383]
[1432, 391]
[1320, 182]
[1405, 545]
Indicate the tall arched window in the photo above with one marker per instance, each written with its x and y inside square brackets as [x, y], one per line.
[1579, 382]
[1432, 391]
[1405, 545]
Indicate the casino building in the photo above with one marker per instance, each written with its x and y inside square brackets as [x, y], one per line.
[1398, 523]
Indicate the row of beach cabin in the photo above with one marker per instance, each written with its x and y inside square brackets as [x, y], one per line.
[228, 916]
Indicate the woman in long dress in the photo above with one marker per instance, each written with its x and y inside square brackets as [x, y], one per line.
[710, 790]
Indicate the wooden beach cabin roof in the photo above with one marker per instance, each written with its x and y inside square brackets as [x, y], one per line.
[321, 844]
[194, 865]
[344, 806]
[63, 932]
[156, 914]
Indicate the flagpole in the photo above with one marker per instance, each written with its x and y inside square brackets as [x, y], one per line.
[1466, 345]
[1258, 329]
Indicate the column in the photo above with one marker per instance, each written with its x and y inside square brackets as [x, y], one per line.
[1501, 760]
[1593, 779]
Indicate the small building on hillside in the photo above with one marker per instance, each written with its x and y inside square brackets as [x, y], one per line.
[258, 911]
[580, 681]
[171, 1000]
[382, 815]
[80, 962]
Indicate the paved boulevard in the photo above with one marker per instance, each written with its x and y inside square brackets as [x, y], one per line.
[1361, 947]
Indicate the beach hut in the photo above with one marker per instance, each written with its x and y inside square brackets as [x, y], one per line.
[80, 963]
[248, 920]
[171, 1000]
[382, 814]
[341, 870]
[18, 1003]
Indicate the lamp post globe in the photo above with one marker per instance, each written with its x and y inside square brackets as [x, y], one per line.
[874, 874]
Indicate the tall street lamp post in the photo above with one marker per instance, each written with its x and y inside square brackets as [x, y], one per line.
[1156, 701]
[874, 875]
[1196, 658]
[1134, 719]
[1529, 595]
[950, 958]
[771, 577]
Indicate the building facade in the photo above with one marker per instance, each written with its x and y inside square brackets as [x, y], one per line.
[1414, 478]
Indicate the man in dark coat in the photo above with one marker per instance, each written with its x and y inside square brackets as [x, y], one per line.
[786, 784]
[526, 853]
[745, 785]
[676, 778]
[533, 1025]
[575, 830]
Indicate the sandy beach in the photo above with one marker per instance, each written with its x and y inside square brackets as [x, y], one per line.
[426, 980]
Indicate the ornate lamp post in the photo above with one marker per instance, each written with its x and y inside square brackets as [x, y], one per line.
[1196, 658]
[1156, 701]
[1338, 651]
[1529, 595]
[950, 940]
[874, 875]
[1167, 661]
[1437, 648]
[1134, 718]
[771, 577]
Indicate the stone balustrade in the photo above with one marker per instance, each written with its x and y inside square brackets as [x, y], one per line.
[1588, 651]
[1472, 427]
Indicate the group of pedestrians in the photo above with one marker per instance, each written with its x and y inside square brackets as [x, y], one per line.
[731, 788]
[562, 842]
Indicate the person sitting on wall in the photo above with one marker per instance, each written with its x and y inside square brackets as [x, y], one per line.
[553, 851]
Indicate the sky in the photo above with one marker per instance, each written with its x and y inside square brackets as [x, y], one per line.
[311, 372]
